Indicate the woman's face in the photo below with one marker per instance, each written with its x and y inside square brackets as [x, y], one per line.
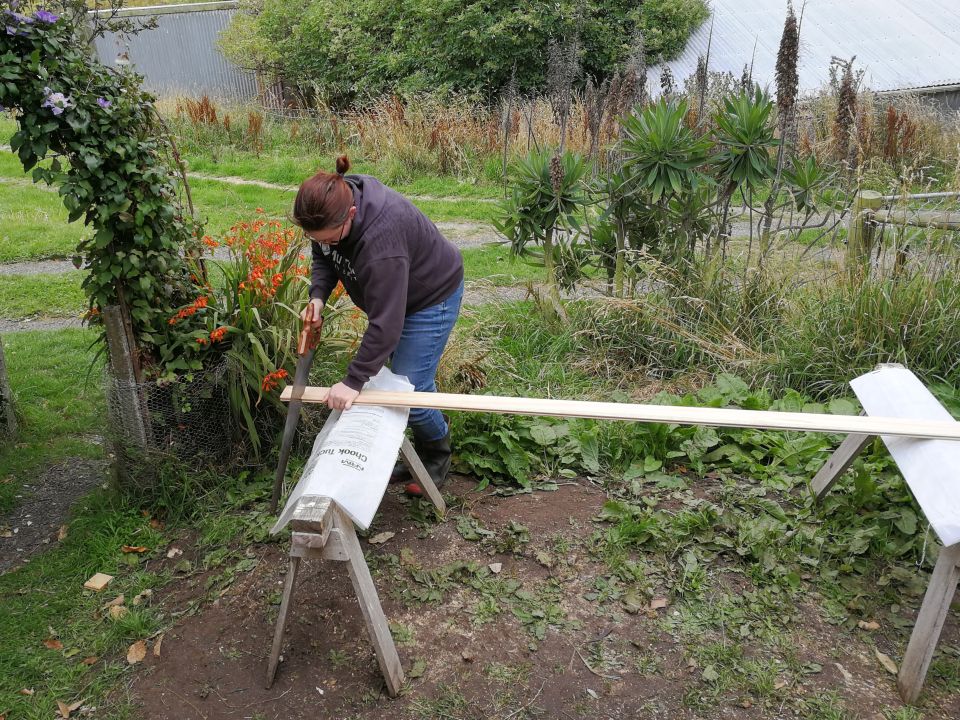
[333, 236]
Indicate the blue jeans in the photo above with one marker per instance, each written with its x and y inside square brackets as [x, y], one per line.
[424, 337]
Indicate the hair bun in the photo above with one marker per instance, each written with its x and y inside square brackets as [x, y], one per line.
[343, 164]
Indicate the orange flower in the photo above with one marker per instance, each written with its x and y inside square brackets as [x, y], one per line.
[260, 210]
[337, 292]
[210, 242]
[217, 335]
[202, 341]
[271, 380]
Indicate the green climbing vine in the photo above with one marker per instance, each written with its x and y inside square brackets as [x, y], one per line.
[93, 132]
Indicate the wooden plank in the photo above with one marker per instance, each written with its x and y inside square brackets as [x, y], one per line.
[941, 220]
[288, 587]
[719, 417]
[926, 632]
[421, 475]
[366, 591]
[838, 463]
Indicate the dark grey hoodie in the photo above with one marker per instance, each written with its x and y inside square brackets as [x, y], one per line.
[393, 263]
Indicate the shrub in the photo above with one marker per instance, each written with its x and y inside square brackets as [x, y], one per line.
[351, 50]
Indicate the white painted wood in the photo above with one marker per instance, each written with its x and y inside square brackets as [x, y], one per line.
[931, 467]
[838, 463]
[366, 591]
[926, 632]
[720, 417]
[420, 474]
[288, 587]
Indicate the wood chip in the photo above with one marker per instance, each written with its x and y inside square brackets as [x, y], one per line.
[888, 664]
[658, 603]
[62, 533]
[495, 568]
[133, 548]
[53, 644]
[868, 626]
[26, 691]
[173, 552]
[140, 597]
[156, 646]
[381, 538]
[118, 600]
[90, 660]
[117, 612]
[98, 582]
[136, 652]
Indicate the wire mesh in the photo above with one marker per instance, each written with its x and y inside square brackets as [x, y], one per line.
[187, 417]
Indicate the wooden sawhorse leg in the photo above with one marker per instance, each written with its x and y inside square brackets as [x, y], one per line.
[926, 631]
[341, 544]
[419, 472]
[936, 600]
[322, 530]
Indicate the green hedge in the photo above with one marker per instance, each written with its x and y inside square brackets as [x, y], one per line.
[362, 48]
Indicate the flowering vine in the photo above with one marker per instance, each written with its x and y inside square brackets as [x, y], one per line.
[107, 148]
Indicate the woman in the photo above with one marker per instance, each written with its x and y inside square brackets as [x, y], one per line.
[396, 267]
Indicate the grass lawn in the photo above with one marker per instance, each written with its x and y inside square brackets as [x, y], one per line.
[497, 265]
[41, 295]
[56, 381]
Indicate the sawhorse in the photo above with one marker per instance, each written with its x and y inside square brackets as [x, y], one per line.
[931, 469]
[322, 530]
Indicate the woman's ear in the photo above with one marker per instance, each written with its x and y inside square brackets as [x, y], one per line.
[352, 212]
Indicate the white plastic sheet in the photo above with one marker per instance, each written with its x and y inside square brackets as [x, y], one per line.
[353, 456]
[930, 467]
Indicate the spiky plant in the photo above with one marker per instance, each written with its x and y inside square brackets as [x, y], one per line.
[845, 123]
[787, 88]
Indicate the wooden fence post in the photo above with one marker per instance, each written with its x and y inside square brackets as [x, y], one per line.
[8, 419]
[123, 395]
[860, 233]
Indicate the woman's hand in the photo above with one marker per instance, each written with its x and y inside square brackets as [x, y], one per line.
[341, 397]
[312, 315]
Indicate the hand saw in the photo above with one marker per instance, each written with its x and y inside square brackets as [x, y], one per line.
[309, 339]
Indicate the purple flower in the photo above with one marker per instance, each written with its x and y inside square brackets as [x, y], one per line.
[45, 16]
[56, 101]
[103, 102]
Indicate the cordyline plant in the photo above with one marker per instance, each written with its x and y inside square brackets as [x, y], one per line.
[547, 201]
[106, 146]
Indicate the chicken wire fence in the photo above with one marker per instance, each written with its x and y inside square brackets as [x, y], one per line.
[187, 417]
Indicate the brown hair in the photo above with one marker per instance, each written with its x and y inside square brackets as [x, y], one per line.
[324, 200]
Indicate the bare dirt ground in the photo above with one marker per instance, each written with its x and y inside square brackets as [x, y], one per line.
[473, 651]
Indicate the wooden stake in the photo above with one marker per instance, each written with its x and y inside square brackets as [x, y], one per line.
[671, 414]
[8, 418]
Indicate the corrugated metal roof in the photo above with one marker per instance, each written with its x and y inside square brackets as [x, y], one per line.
[901, 44]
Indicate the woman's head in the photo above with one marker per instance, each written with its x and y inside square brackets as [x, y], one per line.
[325, 203]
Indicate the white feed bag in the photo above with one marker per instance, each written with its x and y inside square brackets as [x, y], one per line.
[353, 456]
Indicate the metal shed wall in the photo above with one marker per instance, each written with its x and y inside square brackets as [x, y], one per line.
[180, 56]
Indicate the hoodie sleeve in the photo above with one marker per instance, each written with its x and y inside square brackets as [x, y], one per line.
[385, 294]
[323, 275]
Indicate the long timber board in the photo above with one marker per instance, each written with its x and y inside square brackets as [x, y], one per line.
[716, 417]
